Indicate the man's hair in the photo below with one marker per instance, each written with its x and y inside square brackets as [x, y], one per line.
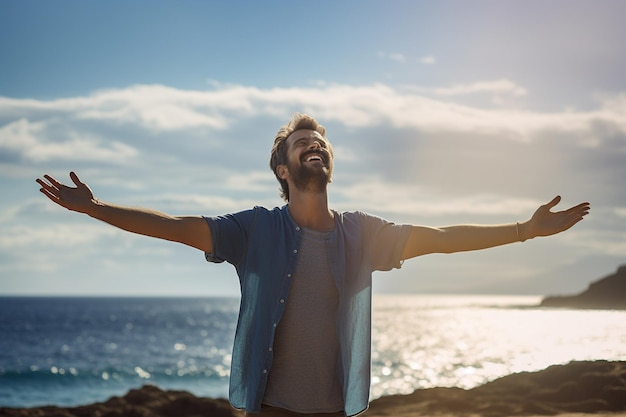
[279, 150]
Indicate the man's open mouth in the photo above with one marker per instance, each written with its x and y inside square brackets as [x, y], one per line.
[313, 156]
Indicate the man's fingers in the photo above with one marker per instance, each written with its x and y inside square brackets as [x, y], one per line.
[54, 185]
[574, 215]
[50, 179]
[49, 186]
[52, 196]
[582, 208]
[47, 193]
[554, 202]
[75, 179]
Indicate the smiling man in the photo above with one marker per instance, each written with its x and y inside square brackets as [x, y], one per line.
[306, 156]
[302, 344]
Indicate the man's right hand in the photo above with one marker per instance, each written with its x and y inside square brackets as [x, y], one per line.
[190, 230]
[79, 198]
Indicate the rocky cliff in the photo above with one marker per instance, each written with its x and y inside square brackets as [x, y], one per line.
[606, 293]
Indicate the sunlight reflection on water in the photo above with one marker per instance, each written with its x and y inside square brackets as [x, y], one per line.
[465, 341]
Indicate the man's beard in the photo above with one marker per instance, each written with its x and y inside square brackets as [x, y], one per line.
[310, 180]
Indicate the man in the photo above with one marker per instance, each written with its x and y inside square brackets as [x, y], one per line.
[302, 345]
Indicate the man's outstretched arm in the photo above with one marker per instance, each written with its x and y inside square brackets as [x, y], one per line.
[450, 239]
[189, 230]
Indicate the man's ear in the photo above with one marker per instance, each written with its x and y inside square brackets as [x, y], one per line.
[282, 172]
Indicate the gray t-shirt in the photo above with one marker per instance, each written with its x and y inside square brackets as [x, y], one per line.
[304, 375]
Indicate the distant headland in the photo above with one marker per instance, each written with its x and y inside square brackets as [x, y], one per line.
[606, 293]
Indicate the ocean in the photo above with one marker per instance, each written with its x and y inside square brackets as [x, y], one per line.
[74, 351]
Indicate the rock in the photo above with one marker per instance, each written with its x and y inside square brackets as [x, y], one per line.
[577, 387]
[606, 293]
[147, 401]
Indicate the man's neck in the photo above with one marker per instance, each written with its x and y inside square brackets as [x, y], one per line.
[310, 210]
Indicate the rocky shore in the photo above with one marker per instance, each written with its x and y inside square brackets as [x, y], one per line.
[576, 388]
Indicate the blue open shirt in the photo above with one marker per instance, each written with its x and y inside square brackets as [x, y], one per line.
[263, 246]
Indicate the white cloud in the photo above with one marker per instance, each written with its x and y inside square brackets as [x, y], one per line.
[20, 236]
[395, 56]
[30, 140]
[162, 108]
[159, 107]
[438, 158]
[372, 194]
[189, 203]
[611, 243]
[428, 60]
[502, 86]
[621, 212]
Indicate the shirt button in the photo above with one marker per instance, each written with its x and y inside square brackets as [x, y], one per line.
[264, 371]
[275, 324]
[288, 275]
[295, 251]
[270, 348]
[282, 301]
[298, 228]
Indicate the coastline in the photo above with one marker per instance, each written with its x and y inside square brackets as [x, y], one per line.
[571, 390]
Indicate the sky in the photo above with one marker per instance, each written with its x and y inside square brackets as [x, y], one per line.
[446, 112]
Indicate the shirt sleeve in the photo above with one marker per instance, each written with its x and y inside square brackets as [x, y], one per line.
[384, 241]
[229, 236]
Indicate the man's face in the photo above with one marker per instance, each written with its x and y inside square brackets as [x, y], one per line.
[309, 160]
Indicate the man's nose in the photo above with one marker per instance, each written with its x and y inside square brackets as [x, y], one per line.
[315, 144]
